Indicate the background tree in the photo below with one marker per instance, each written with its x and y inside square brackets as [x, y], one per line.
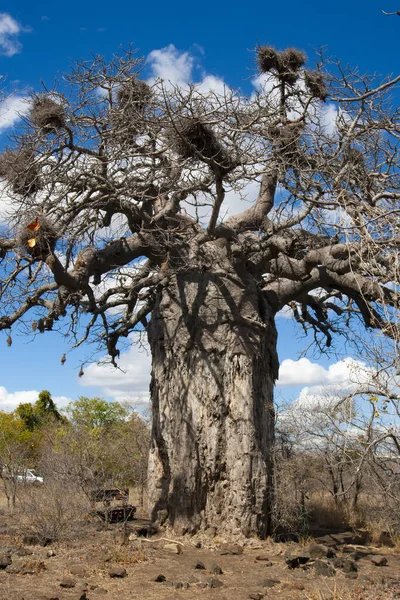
[101, 445]
[15, 452]
[39, 414]
[120, 217]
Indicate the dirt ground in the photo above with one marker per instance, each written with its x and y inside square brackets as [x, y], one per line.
[191, 567]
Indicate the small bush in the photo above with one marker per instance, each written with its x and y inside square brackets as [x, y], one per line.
[51, 513]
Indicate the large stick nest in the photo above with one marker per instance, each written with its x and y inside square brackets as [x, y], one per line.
[134, 94]
[47, 114]
[37, 235]
[128, 115]
[316, 85]
[20, 169]
[194, 139]
[285, 64]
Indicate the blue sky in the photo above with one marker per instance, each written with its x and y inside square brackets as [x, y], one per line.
[38, 39]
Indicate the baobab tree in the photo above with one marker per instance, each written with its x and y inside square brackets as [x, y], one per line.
[120, 190]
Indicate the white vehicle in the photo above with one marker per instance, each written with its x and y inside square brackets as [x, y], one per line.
[29, 476]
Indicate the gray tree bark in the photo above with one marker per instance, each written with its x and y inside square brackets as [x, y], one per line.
[213, 343]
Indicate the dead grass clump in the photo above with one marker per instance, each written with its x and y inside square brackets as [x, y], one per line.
[37, 235]
[316, 85]
[19, 168]
[47, 114]
[127, 556]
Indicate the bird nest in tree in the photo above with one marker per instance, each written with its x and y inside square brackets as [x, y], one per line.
[135, 94]
[316, 85]
[267, 58]
[286, 64]
[194, 139]
[133, 97]
[37, 235]
[21, 171]
[47, 114]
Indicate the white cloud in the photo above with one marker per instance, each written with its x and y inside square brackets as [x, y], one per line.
[176, 68]
[130, 382]
[346, 373]
[171, 66]
[9, 32]
[11, 109]
[10, 400]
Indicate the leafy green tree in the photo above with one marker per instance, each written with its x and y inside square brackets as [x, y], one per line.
[15, 452]
[95, 412]
[36, 415]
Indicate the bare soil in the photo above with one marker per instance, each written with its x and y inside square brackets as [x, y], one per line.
[259, 570]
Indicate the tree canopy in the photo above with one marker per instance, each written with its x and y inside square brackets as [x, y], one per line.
[118, 183]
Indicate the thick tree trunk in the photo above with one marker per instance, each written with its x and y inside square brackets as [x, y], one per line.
[213, 343]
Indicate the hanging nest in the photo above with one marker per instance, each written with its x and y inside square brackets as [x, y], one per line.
[20, 169]
[194, 139]
[315, 83]
[37, 235]
[267, 58]
[47, 114]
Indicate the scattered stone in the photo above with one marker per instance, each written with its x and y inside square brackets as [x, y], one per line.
[232, 549]
[351, 575]
[172, 547]
[262, 557]
[269, 583]
[179, 585]
[199, 565]
[379, 561]
[197, 545]
[160, 579]
[50, 553]
[201, 585]
[216, 569]
[345, 565]
[214, 583]
[67, 583]
[358, 539]
[5, 560]
[256, 596]
[78, 570]
[268, 564]
[295, 558]
[210, 531]
[16, 564]
[320, 551]
[117, 572]
[323, 569]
